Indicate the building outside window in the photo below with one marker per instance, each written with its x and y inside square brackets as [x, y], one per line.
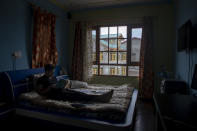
[123, 70]
[113, 57]
[112, 71]
[123, 56]
[101, 71]
[101, 56]
[95, 70]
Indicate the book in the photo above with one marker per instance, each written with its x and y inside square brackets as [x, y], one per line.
[61, 83]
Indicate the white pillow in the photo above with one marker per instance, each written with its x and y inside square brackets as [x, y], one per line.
[78, 84]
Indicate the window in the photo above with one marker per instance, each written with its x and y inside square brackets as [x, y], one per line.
[136, 44]
[118, 71]
[112, 57]
[101, 56]
[112, 71]
[101, 71]
[116, 50]
[124, 70]
[123, 56]
[94, 45]
[95, 70]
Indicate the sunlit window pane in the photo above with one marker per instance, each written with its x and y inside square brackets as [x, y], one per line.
[113, 44]
[123, 71]
[137, 33]
[112, 70]
[112, 32]
[94, 40]
[122, 44]
[105, 70]
[122, 31]
[122, 58]
[95, 69]
[104, 32]
[133, 71]
[104, 45]
[94, 45]
[136, 44]
[113, 57]
[104, 57]
[101, 70]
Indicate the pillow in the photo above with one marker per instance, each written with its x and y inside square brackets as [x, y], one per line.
[78, 84]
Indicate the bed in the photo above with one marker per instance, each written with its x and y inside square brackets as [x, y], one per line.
[116, 115]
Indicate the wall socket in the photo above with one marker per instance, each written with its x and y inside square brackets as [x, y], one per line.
[17, 54]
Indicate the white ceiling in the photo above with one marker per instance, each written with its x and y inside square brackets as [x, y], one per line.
[85, 4]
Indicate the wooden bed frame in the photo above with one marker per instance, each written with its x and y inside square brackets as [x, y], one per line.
[85, 123]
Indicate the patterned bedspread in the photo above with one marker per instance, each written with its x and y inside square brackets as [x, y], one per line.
[113, 111]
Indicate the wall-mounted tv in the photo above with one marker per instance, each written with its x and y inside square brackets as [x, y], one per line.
[186, 35]
[194, 79]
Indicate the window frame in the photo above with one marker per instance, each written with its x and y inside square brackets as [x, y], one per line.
[128, 50]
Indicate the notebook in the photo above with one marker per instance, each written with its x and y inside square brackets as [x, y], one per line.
[61, 83]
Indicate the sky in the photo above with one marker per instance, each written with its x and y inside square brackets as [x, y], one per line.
[136, 32]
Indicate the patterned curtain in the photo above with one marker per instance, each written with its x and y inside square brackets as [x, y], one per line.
[77, 62]
[88, 50]
[82, 52]
[146, 78]
[44, 39]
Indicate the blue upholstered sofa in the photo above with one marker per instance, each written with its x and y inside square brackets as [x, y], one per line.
[13, 83]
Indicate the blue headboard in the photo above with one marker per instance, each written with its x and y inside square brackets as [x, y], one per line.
[13, 83]
[19, 75]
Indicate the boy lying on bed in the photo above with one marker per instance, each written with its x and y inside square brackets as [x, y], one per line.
[48, 86]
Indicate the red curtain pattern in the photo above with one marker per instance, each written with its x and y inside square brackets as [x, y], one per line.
[44, 39]
[146, 77]
[77, 62]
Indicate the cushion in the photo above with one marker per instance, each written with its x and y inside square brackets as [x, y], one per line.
[78, 84]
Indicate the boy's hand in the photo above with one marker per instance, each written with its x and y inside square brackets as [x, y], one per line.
[68, 84]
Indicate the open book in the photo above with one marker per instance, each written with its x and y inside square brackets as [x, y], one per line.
[63, 83]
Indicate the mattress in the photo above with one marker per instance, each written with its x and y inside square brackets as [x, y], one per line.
[113, 111]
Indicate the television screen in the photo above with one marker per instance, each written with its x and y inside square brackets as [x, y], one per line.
[185, 36]
[194, 79]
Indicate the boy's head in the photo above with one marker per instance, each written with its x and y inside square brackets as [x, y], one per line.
[49, 69]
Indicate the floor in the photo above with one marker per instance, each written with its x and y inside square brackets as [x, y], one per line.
[145, 118]
[144, 121]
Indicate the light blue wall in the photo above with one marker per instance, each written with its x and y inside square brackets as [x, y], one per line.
[62, 41]
[14, 33]
[185, 10]
[16, 27]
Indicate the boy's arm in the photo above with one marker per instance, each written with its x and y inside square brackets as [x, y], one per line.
[43, 90]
